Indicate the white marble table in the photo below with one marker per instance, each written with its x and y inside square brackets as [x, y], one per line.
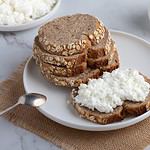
[125, 15]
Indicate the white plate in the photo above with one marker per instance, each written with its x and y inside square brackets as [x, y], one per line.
[33, 23]
[134, 53]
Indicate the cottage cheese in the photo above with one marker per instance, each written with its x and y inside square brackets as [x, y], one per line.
[108, 92]
[14, 12]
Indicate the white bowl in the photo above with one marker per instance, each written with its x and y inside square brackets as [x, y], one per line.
[33, 23]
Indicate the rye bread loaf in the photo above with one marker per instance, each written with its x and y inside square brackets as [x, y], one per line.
[63, 61]
[63, 71]
[74, 81]
[89, 73]
[128, 108]
[103, 61]
[96, 116]
[102, 48]
[112, 65]
[71, 35]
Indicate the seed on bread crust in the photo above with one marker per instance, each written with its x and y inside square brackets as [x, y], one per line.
[101, 49]
[74, 81]
[62, 71]
[68, 61]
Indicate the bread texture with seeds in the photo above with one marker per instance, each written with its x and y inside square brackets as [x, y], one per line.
[102, 48]
[74, 81]
[84, 77]
[112, 65]
[63, 61]
[63, 71]
[70, 35]
[103, 61]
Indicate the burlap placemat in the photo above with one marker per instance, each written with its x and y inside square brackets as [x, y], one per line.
[132, 138]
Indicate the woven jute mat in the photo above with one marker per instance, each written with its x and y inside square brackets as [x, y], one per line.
[136, 137]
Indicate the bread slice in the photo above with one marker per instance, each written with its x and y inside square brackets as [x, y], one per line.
[103, 61]
[112, 64]
[70, 35]
[74, 81]
[63, 71]
[63, 61]
[96, 116]
[137, 108]
[102, 48]
[128, 108]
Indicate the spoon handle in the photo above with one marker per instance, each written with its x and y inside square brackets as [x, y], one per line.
[9, 108]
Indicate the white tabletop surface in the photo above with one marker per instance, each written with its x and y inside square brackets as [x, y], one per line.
[125, 15]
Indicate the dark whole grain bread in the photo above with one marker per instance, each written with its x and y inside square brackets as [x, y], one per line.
[102, 48]
[112, 65]
[74, 81]
[103, 61]
[70, 35]
[63, 61]
[63, 71]
[96, 116]
[84, 77]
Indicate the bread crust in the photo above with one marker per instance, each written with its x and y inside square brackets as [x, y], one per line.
[62, 71]
[74, 81]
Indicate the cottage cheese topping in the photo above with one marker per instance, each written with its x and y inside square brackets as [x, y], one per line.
[112, 89]
[14, 12]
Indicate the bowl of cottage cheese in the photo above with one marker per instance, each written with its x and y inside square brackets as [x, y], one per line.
[17, 15]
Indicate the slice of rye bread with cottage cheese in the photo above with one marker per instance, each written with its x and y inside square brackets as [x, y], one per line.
[71, 35]
[102, 48]
[128, 108]
[103, 61]
[63, 61]
[96, 116]
[63, 71]
[137, 108]
[84, 77]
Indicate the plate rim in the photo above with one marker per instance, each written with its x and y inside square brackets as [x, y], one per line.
[107, 127]
[31, 24]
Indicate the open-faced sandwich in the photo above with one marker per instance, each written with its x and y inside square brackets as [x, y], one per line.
[113, 96]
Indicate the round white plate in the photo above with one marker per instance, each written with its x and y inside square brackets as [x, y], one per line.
[33, 23]
[134, 53]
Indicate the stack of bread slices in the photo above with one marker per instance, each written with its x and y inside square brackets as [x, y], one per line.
[72, 49]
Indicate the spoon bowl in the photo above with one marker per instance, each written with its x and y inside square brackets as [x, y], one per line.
[33, 99]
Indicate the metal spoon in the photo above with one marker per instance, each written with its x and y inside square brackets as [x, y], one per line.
[31, 99]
